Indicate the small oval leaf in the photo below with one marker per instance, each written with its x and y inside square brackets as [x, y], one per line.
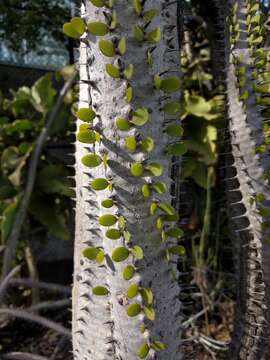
[172, 108]
[107, 203]
[174, 130]
[155, 169]
[128, 272]
[100, 291]
[131, 143]
[133, 310]
[97, 28]
[113, 71]
[137, 252]
[140, 117]
[123, 124]
[136, 169]
[99, 184]
[86, 136]
[149, 313]
[107, 48]
[170, 85]
[86, 114]
[177, 250]
[113, 234]
[132, 291]
[122, 46]
[107, 220]
[98, 3]
[120, 254]
[143, 351]
[91, 160]
[91, 253]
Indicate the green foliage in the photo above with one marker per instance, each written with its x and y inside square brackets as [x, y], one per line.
[22, 118]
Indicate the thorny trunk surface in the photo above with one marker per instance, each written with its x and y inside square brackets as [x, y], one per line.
[101, 328]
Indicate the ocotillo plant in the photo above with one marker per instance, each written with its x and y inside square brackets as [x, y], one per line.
[125, 297]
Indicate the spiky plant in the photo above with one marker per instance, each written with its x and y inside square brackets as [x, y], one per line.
[125, 296]
[126, 290]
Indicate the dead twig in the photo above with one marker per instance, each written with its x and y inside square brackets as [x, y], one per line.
[22, 314]
[5, 281]
[12, 241]
[33, 272]
[41, 284]
[49, 305]
[22, 356]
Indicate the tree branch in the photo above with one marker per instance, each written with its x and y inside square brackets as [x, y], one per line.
[21, 213]
[5, 282]
[22, 356]
[41, 284]
[22, 314]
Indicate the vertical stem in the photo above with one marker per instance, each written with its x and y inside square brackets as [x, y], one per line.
[33, 272]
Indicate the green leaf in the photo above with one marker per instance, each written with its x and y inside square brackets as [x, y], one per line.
[129, 93]
[167, 208]
[97, 28]
[174, 130]
[91, 160]
[113, 71]
[107, 220]
[114, 21]
[10, 159]
[86, 136]
[136, 169]
[133, 310]
[147, 144]
[155, 169]
[149, 56]
[131, 143]
[127, 236]
[137, 252]
[146, 190]
[128, 72]
[122, 46]
[100, 291]
[70, 31]
[78, 25]
[137, 6]
[153, 208]
[91, 253]
[44, 209]
[157, 82]
[100, 257]
[150, 313]
[172, 108]
[171, 218]
[143, 351]
[98, 3]
[175, 232]
[123, 124]
[121, 222]
[86, 114]
[150, 14]
[128, 272]
[52, 179]
[154, 36]
[176, 149]
[107, 203]
[196, 105]
[132, 291]
[170, 85]
[8, 217]
[107, 48]
[160, 187]
[147, 296]
[177, 250]
[120, 254]
[99, 184]
[113, 234]
[138, 33]
[140, 117]
[158, 346]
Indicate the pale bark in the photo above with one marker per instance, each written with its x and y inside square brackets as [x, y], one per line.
[101, 328]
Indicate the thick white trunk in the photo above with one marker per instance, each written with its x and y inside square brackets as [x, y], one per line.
[101, 328]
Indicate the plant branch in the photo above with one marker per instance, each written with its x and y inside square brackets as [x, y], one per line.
[22, 314]
[22, 356]
[48, 305]
[41, 284]
[5, 282]
[21, 213]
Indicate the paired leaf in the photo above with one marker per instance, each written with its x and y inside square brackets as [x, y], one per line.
[120, 254]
